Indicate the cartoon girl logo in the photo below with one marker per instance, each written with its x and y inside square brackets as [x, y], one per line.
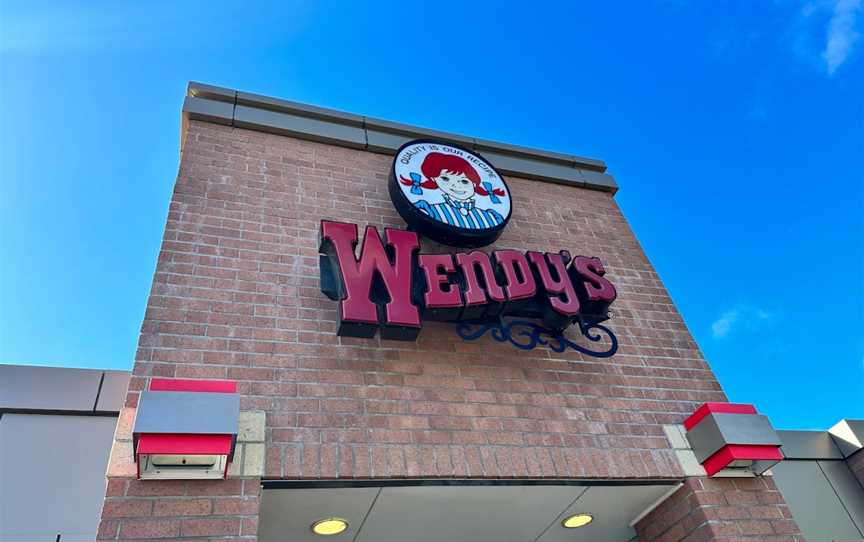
[452, 187]
[460, 185]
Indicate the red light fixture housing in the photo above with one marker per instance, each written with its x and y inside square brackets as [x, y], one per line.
[732, 436]
[186, 429]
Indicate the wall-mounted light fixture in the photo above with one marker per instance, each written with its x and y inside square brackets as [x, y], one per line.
[728, 435]
[186, 429]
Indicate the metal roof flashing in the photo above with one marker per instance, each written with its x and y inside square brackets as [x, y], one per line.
[842, 441]
[272, 115]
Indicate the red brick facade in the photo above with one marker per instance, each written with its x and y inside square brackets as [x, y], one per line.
[134, 510]
[236, 296]
[708, 509]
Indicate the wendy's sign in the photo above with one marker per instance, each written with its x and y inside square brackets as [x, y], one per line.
[392, 288]
[449, 194]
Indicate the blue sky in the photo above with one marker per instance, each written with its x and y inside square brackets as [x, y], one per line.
[735, 129]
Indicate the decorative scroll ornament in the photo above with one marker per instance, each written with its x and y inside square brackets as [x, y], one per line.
[527, 335]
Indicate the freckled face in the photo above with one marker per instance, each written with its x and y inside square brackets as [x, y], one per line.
[455, 185]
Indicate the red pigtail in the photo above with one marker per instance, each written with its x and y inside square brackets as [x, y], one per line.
[482, 191]
[428, 183]
[436, 162]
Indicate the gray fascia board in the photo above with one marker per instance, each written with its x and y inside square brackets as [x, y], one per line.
[210, 92]
[297, 126]
[296, 108]
[809, 445]
[415, 132]
[600, 181]
[273, 115]
[568, 159]
[194, 413]
[208, 110]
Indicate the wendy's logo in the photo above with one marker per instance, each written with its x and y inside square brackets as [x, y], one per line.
[449, 194]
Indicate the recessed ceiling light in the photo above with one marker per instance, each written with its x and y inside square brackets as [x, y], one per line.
[329, 526]
[577, 520]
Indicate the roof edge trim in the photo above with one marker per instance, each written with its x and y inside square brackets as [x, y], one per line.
[272, 115]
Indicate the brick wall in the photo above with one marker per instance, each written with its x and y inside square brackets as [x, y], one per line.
[223, 509]
[708, 509]
[236, 296]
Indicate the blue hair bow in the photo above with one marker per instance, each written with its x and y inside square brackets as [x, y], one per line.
[415, 184]
[488, 186]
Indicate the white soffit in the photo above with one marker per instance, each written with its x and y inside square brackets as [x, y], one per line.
[435, 513]
[477, 513]
[288, 514]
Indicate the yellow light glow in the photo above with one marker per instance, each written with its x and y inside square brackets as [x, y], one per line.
[578, 520]
[329, 526]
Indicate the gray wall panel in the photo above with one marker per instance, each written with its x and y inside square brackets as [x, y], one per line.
[847, 488]
[52, 474]
[48, 388]
[813, 502]
[113, 393]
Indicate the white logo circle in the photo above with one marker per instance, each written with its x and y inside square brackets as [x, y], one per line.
[452, 186]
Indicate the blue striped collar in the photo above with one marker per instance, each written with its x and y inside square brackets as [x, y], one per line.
[467, 204]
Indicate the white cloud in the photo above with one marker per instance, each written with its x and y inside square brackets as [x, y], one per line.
[841, 33]
[723, 325]
[745, 315]
[824, 33]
